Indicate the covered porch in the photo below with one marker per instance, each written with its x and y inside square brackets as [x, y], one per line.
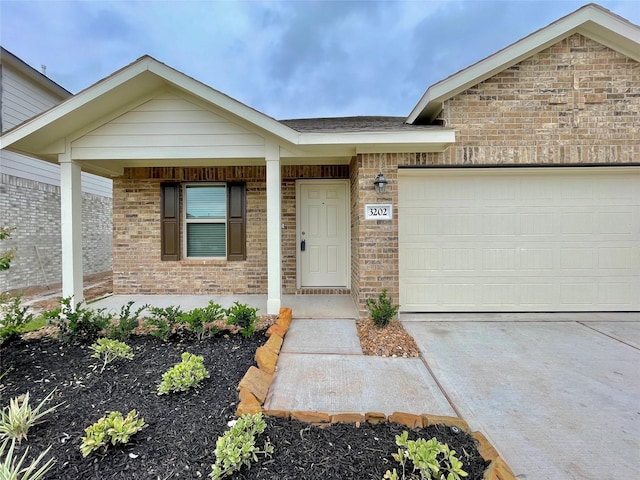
[150, 117]
[302, 306]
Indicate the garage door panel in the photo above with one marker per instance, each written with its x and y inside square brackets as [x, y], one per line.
[612, 293]
[522, 240]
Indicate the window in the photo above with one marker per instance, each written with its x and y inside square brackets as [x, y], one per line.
[205, 220]
[213, 224]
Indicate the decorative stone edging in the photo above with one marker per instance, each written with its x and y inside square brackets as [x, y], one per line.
[253, 388]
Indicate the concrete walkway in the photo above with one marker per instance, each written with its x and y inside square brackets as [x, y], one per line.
[321, 368]
[559, 399]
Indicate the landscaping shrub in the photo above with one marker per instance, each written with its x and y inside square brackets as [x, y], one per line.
[79, 323]
[109, 350]
[237, 447]
[183, 376]
[432, 459]
[18, 417]
[197, 320]
[244, 317]
[127, 321]
[13, 316]
[111, 429]
[381, 310]
[164, 321]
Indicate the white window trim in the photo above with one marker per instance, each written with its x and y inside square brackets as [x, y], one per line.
[186, 221]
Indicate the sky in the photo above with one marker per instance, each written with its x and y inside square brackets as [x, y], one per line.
[287, 59]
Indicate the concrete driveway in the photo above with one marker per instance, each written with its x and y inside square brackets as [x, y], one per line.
[558, 395]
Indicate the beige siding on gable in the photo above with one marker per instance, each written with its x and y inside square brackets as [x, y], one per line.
[168, 126]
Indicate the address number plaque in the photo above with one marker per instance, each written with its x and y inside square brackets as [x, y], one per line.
[378, 212]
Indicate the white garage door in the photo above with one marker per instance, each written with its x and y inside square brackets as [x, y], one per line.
[525, 239]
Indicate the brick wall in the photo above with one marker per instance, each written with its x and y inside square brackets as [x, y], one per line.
[137, 264]
[137, 267]
[34, 208]
[375, 267]
[576, 102]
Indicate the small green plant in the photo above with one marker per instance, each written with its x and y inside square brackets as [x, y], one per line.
[13, 317]
[381, 310]
[244, 317]
[127, 321]
[197, 319]
[430, 458]
[109, 350]
[79, 322]
[7, 255]
[111, 429]
[18, 417]
[237, 447]
[165, 321]
[183, 376]
[12, 469]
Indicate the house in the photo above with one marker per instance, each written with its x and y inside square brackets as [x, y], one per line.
[30, 191]
[513, 185]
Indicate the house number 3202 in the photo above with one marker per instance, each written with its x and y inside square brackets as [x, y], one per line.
[378, 212]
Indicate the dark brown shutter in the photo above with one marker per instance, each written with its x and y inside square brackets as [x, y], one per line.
[170, 228]
[236, 222]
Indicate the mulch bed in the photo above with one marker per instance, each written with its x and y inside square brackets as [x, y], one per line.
[391, 340]
[183, 428]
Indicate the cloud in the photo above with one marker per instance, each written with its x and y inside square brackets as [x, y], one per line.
[287, 59]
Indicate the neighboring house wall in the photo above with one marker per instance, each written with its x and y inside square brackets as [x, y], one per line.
[30, 192]
[576, 102]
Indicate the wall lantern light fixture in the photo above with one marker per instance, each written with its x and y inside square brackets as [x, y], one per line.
[380, 184]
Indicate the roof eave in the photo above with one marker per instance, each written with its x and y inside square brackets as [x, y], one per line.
[145, 74]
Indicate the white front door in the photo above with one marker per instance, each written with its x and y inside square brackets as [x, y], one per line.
[323, 253]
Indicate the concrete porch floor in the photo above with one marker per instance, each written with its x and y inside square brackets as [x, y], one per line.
[303, 306]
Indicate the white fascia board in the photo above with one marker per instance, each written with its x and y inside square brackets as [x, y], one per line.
[397, 138]
[592, 21]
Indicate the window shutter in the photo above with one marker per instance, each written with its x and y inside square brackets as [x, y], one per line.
[236, 222]
[170, 223]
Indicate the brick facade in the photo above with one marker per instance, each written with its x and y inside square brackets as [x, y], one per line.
[576, 102]
[34, 209]
[137, 265]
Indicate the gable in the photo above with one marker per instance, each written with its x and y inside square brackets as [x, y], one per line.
[171, 126]
[575, 77]
[591, 21]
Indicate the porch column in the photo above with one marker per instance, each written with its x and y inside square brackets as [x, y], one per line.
[71, 228]
[274, 265]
